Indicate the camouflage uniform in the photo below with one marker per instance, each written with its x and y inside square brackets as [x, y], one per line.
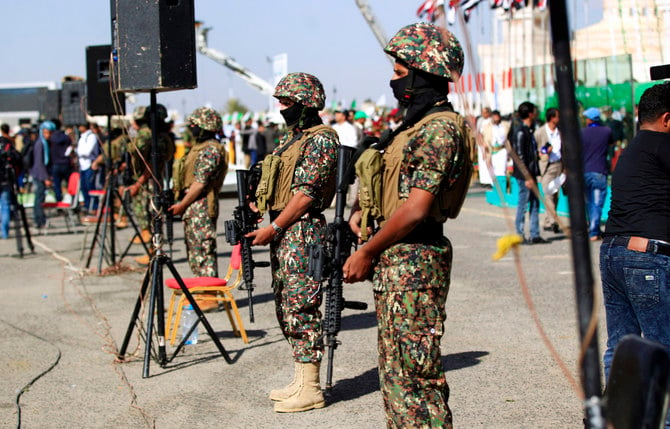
[140, 203]
[119, 147]
[208, 162]
[411, 280]
[298, 296]
[199, 226]
[142, 143]
[411, 283]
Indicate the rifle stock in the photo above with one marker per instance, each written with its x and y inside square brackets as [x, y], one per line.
[326, 261]
[244, 221]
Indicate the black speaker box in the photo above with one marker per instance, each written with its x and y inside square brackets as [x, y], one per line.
[49, 104]
[153, 43]
[72, 99]
[100, 97]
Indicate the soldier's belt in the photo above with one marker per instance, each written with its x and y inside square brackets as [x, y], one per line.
[427, 232]
[311, 213]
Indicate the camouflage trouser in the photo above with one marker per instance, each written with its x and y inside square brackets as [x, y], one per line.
[200, 238]
[298, 296]
[414, 389]
[140, 207]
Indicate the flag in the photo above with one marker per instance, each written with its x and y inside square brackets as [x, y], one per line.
[467, 6]
[451, 15]
[518, 4]
[508, 4]
[428, 9]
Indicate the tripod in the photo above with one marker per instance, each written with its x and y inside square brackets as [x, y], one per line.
[18, 212]
[105, 213]
[154, 279]
[106, 217]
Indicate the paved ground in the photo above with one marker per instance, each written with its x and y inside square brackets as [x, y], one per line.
[500, 373]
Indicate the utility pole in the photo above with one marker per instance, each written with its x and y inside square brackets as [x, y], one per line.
[369, 17]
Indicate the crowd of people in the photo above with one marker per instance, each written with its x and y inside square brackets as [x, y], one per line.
[426, 152]
[537, 162]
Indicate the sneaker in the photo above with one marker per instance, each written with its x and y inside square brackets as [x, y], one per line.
[538, 240]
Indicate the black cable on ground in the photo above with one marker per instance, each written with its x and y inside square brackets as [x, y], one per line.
[25, 388]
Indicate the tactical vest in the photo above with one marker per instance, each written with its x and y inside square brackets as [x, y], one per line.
[214, 185]
[142, 144]
[453, 188]
[119, 147]
[274, 188]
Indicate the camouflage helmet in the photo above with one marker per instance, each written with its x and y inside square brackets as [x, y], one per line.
[161, 113]
[143, 113]
[302, 88]
[428, 48]
[206, 118]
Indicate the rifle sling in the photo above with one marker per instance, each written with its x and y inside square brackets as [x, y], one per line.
[284, 148]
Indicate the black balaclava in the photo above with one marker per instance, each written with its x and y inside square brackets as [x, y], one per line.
[200, 135]
[301, 117]
[418, 92]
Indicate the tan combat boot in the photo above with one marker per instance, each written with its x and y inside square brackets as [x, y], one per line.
[146, 237]
[309, 395]
[146, 258]
[291, 389]
[122, 223]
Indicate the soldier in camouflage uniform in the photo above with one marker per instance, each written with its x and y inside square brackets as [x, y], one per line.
[202, 175]
[411, 278]
[140, 150]
[305, 187]
[119, 145]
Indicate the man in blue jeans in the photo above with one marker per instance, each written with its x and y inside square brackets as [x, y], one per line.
[596, 141]
[635, 253]
[525, 146]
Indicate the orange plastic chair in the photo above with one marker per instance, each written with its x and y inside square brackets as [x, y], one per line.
[208, 289]
[69, 209]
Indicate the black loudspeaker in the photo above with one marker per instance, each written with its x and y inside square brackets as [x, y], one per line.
[100, 100]
[153, 44]
[49, 104]
[72, 102]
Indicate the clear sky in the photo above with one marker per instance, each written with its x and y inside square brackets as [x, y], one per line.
[46, 40]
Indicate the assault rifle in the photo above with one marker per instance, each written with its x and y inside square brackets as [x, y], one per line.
[326, 261]
[245, 221]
